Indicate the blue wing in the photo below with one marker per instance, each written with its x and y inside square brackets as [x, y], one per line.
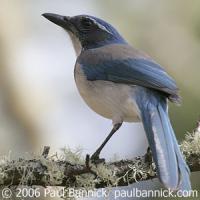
[128, 70]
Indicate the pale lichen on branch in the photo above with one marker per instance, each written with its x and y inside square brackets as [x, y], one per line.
[71, 169]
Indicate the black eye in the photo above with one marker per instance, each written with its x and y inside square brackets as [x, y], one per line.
[86, 23]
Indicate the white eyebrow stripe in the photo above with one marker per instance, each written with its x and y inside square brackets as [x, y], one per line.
[99, 25]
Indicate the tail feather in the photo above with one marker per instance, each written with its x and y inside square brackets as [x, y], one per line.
[184, 170]
[171, 167]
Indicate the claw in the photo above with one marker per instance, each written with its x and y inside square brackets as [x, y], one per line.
[96, 160]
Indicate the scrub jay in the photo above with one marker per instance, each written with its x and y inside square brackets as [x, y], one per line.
[122, 83]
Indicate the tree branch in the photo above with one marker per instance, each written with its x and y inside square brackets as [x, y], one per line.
[71, 170]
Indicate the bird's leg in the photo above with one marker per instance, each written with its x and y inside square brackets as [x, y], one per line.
[148, 156]
[95, 156]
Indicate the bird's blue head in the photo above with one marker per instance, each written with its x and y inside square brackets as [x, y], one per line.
[92, 32]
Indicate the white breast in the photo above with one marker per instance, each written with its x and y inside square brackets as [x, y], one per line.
[111, 100]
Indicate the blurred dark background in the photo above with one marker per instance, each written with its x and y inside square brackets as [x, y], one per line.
[39, 102]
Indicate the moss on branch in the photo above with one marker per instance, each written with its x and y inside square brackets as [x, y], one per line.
[71, 169]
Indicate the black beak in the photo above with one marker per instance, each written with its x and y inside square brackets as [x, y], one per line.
[63, 21]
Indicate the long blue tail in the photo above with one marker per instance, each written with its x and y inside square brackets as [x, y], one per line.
[172, 169]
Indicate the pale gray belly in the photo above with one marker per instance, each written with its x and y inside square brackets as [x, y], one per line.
[111, 100]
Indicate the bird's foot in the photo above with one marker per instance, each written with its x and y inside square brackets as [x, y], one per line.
[96, 160]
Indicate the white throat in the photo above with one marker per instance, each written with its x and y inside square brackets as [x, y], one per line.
[76, 43]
